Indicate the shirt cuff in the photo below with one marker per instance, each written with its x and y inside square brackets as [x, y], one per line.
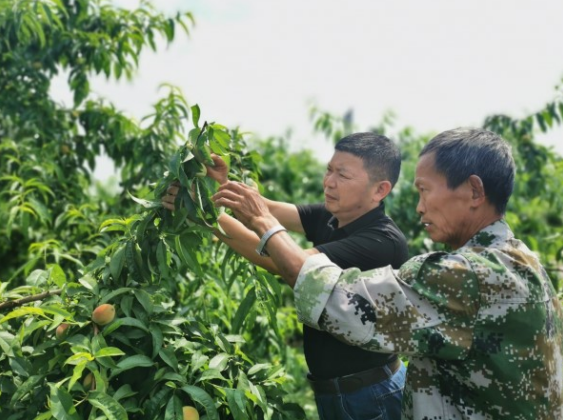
[313, 288]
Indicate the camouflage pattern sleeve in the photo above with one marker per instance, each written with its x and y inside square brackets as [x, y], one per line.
[313, 295]
[482, 326]
[428, 307]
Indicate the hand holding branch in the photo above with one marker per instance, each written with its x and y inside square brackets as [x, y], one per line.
[218, 173]
[248, 206]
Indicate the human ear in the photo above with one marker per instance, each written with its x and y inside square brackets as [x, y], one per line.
[382, 190]
[477, 188]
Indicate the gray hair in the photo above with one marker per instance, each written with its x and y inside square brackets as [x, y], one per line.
[463, 152]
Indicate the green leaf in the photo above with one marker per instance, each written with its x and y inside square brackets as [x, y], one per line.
[79, 358]
[57, 275]
[175, 163]
[117, 262]
[167, 354]
[26, 387]
[120, 223]
[62, 407]
[56, 310]
[162, 258]
[77, 374]
[44, 416]
[219, 361]
[237, 404]
[124, 392]
[541, 122]
[16, 313]
[199, 395]
[145, 300]
[131, 322]
[258, 367]
[173, 409]
[195, 115]
[148, 204]
[244, 309]
[115, 293]
[143, 225]
[222, 138]
[40, 210]
[88, 282]
[29, 329]
[131, 362]
[211, 374]
[176, 377]
[198, 360]
[548, 118]
[109, 352]
[37, 278]
[157, 339]
[110, 407]
[185, 247]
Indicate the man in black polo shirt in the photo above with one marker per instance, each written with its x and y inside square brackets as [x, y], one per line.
[351, 228]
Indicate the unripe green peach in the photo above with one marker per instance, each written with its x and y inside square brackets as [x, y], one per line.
[103, 314]
[61, 331]
[190, 413]
[89, 382]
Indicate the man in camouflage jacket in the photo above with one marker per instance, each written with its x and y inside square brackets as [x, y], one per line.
[482, 324]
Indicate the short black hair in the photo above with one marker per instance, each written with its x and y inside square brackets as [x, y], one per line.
[463, 152]
[381, 157]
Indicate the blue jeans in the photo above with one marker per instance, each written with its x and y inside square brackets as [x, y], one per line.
[380, 401]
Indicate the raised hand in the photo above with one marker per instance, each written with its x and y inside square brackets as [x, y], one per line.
[220, 171]
[248, 206]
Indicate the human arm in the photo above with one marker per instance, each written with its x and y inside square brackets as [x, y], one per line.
[286, 213]
[236, 235]
[253, 212]
[428, 307]
[245, 241]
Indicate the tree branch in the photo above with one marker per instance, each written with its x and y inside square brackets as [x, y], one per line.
[13, 303]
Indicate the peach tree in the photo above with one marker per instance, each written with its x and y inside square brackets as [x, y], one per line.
[111, 306]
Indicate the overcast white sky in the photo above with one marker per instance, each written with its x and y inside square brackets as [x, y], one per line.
[437, 64]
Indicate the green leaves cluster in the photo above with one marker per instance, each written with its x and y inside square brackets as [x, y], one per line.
[536, 207]
[190, 315]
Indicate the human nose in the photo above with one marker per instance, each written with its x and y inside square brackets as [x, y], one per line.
[420, 207]
[328, 180]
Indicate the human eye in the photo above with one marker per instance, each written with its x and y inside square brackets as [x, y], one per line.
[343, 175]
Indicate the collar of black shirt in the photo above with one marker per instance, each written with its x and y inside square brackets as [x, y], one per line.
[365, 220]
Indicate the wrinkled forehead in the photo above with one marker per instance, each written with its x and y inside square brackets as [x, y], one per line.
[426, 170]
[426, 164]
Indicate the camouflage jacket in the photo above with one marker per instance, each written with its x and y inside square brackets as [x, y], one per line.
[481, 326]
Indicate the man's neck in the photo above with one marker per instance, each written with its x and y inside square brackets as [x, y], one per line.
[341, 222]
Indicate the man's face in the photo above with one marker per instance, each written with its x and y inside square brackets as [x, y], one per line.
[349, 193]
[445, 213]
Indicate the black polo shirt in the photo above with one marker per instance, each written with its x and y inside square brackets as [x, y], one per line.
[371, 241]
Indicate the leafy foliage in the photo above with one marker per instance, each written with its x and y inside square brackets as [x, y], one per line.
[190, 315]
[536, 208]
